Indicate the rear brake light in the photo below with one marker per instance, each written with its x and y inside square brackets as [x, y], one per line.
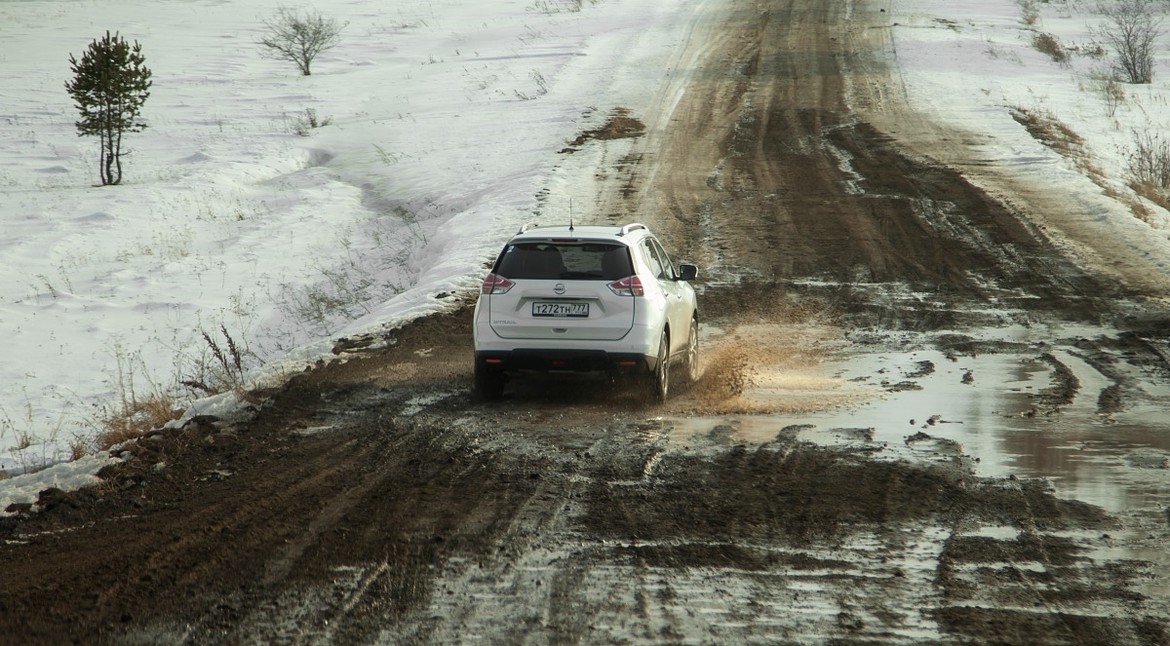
[494, 284]
[630, 286]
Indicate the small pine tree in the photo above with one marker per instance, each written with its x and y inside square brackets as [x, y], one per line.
[109, 86]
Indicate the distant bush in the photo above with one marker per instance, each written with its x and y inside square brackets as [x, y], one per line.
[1029, 12]
[1149, 168]
[1048, 44]
[304, 124]
[1149, 163]
[1111, 90]
[299, 38]
[1131, 28]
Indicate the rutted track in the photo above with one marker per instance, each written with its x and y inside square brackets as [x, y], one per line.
[370, 502]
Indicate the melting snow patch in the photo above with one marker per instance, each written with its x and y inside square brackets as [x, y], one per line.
[67, 476]
[415, 405]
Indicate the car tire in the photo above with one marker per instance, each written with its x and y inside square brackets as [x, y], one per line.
[489, 383]
[692, 358]
[659, 381]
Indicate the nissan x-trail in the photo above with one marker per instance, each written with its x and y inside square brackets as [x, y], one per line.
[602, 299]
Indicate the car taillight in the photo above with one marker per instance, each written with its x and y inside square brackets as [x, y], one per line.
[494, 284]
[630, 286]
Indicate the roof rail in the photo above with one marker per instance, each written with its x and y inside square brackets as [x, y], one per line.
[630, 227]
[526, 227]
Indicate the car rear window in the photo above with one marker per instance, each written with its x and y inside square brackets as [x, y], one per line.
[564, 261]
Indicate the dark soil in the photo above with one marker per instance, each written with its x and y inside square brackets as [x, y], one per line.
[370, 500]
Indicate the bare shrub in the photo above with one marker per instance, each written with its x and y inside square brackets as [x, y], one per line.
[1111, 90]
[1029, 13]
[1149, 168]
[299, 37]
[1131, 28]
[304, 124]
[1149, 163]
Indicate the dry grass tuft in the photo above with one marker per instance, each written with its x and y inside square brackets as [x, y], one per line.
[132, 418]
[1158, 196]
[1050, 45]
[222, 370]
[134, 412]
[1050, 131]
[1149, 165]
[1149, 170]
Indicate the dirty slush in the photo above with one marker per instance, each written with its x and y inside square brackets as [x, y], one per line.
[370, 501]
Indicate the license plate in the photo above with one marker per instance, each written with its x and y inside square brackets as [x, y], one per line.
[560, 309]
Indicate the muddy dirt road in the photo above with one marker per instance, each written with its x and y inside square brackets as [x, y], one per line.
[920, 421]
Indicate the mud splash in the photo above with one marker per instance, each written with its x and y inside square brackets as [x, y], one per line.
[770, 369]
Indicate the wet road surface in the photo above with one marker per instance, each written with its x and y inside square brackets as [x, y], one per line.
[919, 422]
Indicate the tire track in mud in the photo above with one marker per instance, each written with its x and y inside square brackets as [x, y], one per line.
[567, 514]
[720, 542]
[138, 556]
[1028, 586]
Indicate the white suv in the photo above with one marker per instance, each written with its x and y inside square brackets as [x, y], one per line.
[585, 299]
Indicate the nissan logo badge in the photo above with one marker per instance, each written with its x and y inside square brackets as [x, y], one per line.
[559, 288]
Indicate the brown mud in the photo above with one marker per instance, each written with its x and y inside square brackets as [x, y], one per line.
[850, 268]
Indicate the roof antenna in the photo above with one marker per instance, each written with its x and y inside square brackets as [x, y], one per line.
[570, 215]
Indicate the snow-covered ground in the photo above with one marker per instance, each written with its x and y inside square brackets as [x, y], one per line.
[444, 122]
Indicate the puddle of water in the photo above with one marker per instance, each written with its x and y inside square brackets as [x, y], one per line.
[1013, 400]
[984, 409]
[928, 406]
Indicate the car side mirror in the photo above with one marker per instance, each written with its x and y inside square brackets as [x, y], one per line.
[687, 272]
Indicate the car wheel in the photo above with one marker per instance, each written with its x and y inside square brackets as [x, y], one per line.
[660, 379]
[489, 383]
[692, 358]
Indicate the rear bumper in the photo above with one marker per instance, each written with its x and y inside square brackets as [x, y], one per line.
[548, 360]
